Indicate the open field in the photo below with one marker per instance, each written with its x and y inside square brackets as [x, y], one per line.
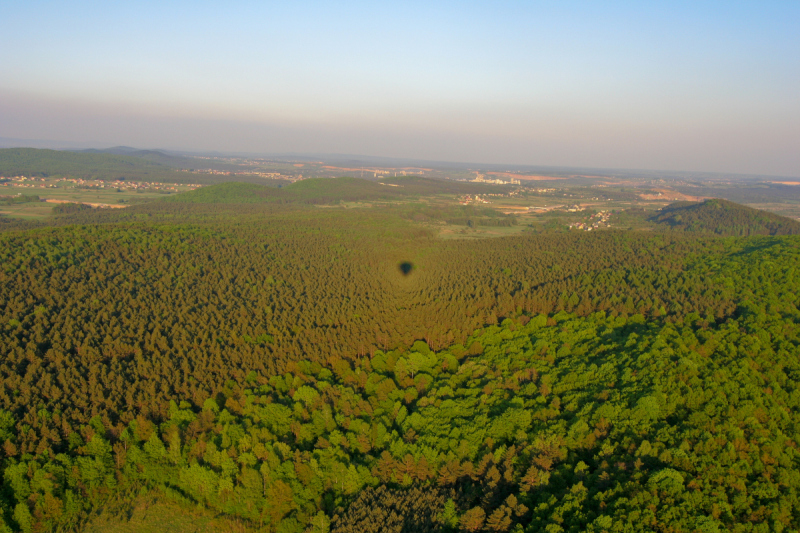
[791, 210]
[480, 232]
[52, 192]
[549, 205]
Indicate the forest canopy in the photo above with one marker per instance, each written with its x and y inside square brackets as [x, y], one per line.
[272, 364]
[723, 217]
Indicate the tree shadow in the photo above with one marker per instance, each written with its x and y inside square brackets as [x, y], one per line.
[406, 267]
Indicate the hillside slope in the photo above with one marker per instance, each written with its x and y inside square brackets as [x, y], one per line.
[47, 163]
[112, 164]
[229, 193]
[722, 217]
[163, 158]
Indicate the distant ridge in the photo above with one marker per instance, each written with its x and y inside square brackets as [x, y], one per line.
[723, 217]
[160, 157]
[116, 150]
[120, 162]
[89, 165]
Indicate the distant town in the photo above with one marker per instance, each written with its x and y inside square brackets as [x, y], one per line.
[45, 183]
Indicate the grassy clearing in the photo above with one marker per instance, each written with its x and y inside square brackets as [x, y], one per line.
[791, 210]
[480, 232]
[41, 210]
[28, 211]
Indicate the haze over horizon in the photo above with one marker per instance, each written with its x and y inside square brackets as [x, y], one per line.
[673, 86]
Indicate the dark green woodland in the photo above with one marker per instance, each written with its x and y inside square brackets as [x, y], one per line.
[250, 353]
[723, 217]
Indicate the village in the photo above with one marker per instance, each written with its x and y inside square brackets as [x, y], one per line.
[27, 196]
[118, 185]
[265, 175]
[593, 222]
[468, 199]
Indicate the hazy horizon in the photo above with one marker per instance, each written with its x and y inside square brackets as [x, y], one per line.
[681, 87]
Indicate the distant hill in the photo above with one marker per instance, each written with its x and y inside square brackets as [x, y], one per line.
[111, 164]
[33, 162]
[116, 150]
[723, 217]
[161, 157]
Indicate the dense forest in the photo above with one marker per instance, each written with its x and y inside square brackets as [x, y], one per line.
[306, 369]
[725, 218]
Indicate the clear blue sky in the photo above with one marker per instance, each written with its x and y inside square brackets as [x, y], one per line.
[667, 85]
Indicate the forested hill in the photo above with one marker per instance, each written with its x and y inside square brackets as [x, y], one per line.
[229, 193]
[112, 164]
[34, 162]
[161, 158]
[329, 191]
[723, 217]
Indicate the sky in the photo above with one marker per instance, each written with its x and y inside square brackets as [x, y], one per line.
[704, 86]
